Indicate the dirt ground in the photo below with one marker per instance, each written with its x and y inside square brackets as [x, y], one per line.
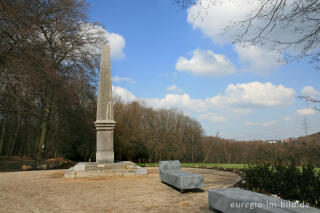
[47, 191]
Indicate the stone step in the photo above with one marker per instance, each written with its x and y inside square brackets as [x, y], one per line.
[92, 169]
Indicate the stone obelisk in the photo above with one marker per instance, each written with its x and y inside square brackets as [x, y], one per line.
[105, 121]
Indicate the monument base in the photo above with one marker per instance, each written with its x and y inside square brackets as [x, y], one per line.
[94, 169]
[105, 157]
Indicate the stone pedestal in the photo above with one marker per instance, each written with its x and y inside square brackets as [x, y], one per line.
[94, 169]
[104, 152]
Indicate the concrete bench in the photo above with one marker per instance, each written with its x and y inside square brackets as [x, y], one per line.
[170, 173]
[241, 201]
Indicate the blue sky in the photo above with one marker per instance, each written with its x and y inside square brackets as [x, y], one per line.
[167, 57]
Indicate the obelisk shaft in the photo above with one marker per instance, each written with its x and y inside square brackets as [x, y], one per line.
[105, 108]
[105, 121]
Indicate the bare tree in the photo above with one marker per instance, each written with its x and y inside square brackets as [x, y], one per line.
[186, 3]
[289, 26]
[46, 63]
[310, 100]
[298, 19]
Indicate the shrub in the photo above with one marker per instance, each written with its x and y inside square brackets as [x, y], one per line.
[287, 181]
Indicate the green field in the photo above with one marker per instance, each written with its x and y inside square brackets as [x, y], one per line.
[217, 165]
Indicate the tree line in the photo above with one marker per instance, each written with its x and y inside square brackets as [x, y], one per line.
[47, 76]
[143, 134]
[303, 150]
[48, 83]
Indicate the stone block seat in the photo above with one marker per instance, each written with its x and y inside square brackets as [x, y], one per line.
[236, 200]
[171, 174]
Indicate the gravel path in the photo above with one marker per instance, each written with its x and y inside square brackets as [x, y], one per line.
[47, 191]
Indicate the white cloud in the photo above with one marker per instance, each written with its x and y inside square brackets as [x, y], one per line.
[213, 117]
[286, 118]
[241, 111]
[119, 79]
[117, 44]
[310, 91]
[248, 123]
[116, 41]
[269, 123]
[265, 124]
[124, 94]
[174, 88]
[182, 101]
[213, 19]
[306, 111]
[257, 59]
[238, 100]
[205, 62]
[216, 19]
[254, 94]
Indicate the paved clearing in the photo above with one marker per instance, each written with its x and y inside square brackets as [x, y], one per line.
[48, 191]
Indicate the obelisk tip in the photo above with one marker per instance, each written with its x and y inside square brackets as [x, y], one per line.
[106, 46]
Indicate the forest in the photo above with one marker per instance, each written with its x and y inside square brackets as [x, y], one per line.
[48, 84]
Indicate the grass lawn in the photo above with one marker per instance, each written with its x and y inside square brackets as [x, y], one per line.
[217, 165]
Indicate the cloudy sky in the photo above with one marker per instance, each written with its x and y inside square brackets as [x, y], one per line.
[167, 57]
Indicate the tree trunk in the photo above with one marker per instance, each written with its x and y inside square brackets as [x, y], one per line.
[15, 136]
[43, 137]
[192, 149]
[2, 135]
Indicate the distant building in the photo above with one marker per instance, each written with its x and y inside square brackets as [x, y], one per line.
[286, 140]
